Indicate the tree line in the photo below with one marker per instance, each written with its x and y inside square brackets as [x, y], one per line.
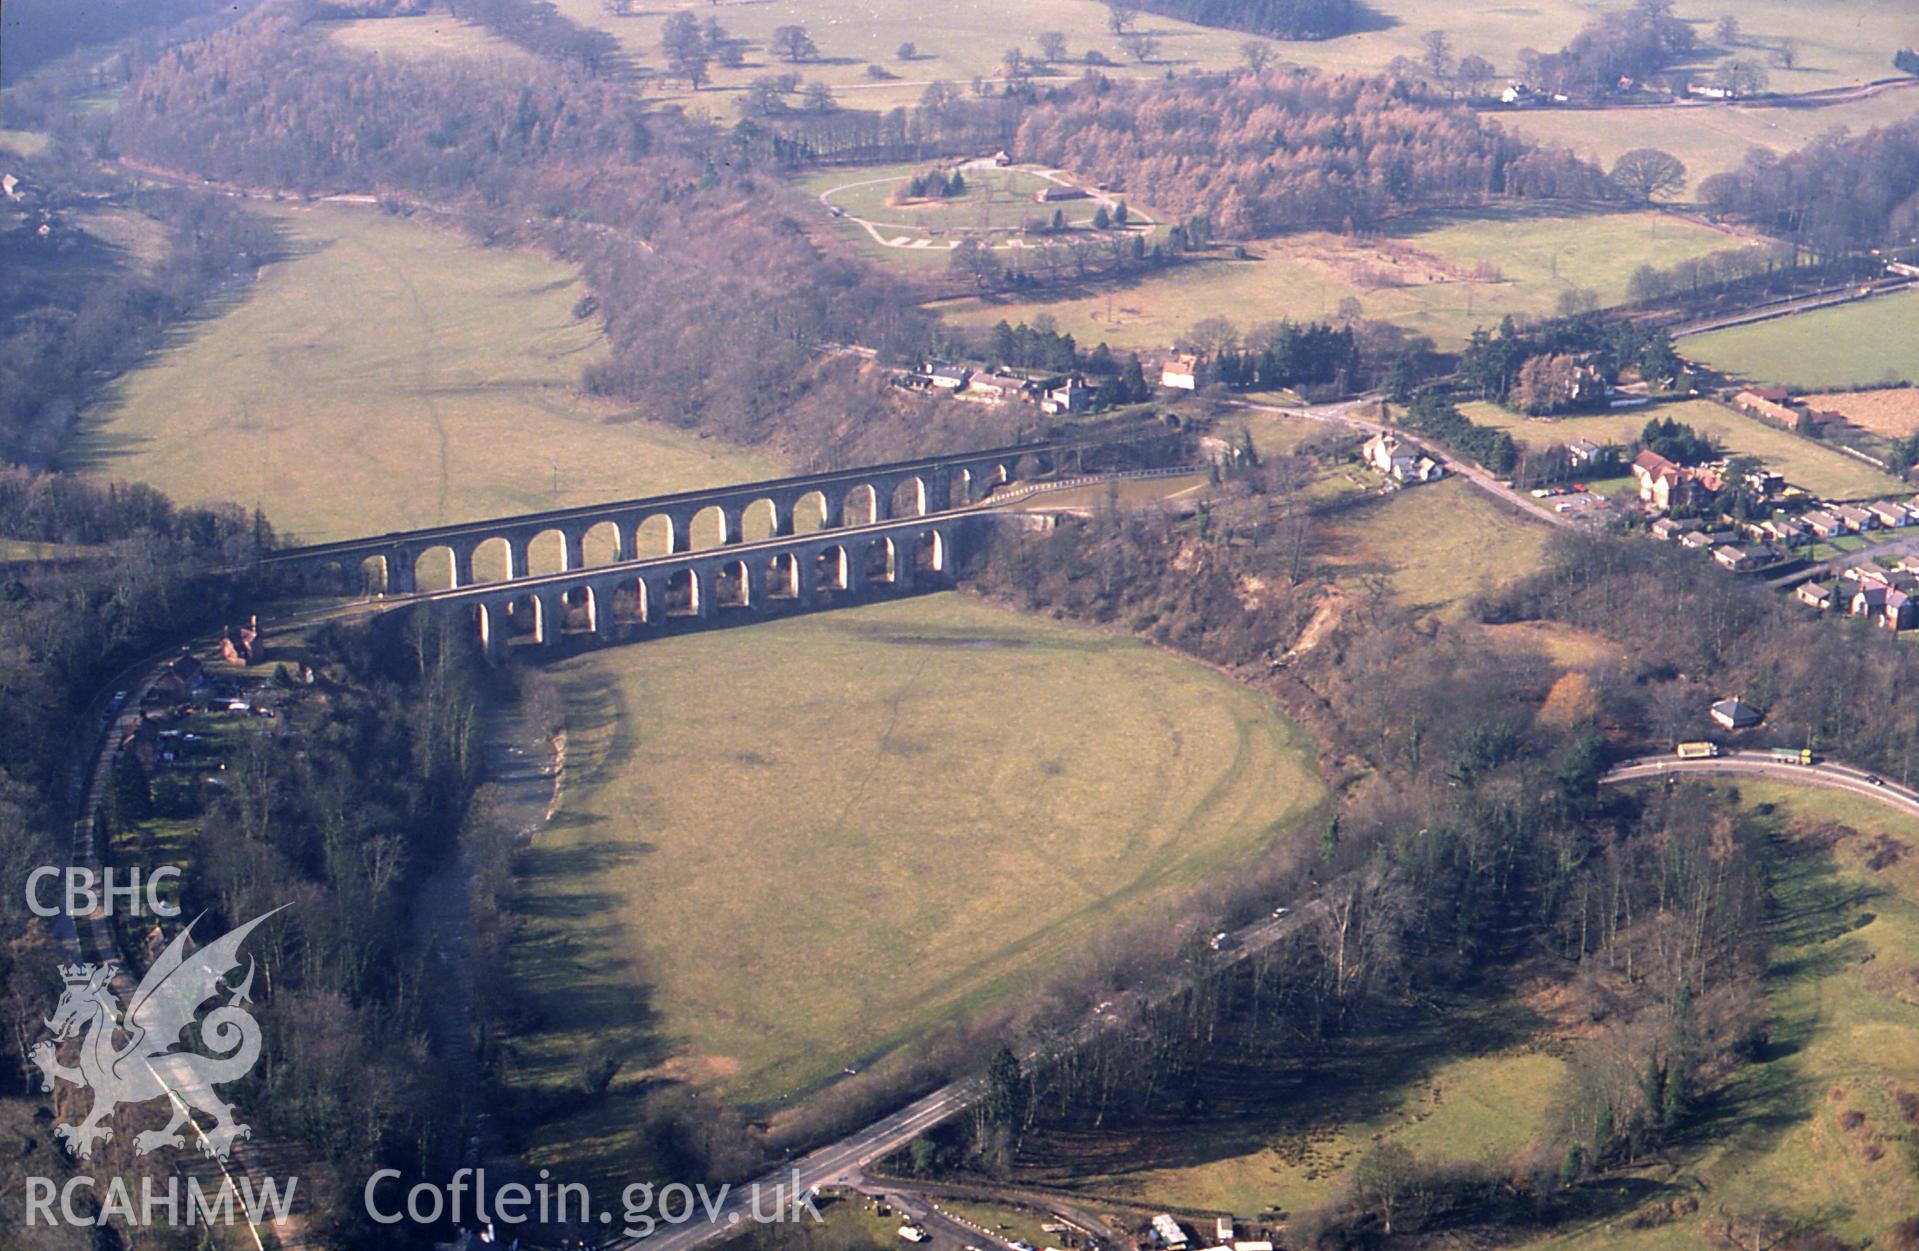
[83, 311]
[1837, 195]
[1260, 154]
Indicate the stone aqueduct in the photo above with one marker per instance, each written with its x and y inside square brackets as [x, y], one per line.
[884, 528]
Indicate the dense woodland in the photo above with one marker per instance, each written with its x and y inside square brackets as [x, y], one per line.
[1837, 195]
[1260, 154]
[1631, 45]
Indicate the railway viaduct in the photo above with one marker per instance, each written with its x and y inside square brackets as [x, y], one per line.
[872, 494]
[884, 529]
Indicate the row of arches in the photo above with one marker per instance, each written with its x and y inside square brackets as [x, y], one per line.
[813, 577]
[559, 548]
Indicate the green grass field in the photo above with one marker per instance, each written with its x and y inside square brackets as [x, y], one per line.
[1476, 1107]
[1436, 546]
[1854, 345]
[1439, 274]
[388, 375]
[1709, 139]
[1824, 471]
[1844, 1018]
[784, 849]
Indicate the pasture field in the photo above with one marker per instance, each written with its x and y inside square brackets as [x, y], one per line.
[1709, 138]
[1825, 471]
[786, 849]
[1816, 1132]
[1439, 273]
[1853, 345]
[955, 43]
[1838, 42]
[1891, 413]
[422, 38]
[1435, 546]
[386, 375]
[1445, 1100]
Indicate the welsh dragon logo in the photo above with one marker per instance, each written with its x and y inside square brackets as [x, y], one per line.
[133, 1059]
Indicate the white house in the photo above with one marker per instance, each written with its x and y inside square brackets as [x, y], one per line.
[1181, 372]
[1400, 461]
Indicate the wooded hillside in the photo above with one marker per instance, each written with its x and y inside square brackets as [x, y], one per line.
[1261, 154]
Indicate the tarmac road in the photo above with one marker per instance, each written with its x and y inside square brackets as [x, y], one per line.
[1760, 764]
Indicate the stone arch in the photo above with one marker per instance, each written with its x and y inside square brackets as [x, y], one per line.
[1028, 467]
[520, 621]
[860, 505]
[329, 577]
[912, 497]
[881, 561]
[373, 576]
[762, 519]
[545, 553]
[709, 527]
[437, 568]
[781, 577]
[654, 536]
[831, 569]
[811, 512]
[732, 585]
[601, 544]
[625, 603]
[929, 552]
[681, 596]
[579, 610]
[493, 561]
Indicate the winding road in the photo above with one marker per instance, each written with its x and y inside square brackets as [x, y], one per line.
[1828, 774]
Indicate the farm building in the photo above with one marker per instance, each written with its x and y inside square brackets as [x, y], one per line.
[1181, 372]
[1735, 714]
[1054, 194]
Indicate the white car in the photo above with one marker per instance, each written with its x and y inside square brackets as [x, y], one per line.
[1280, 912]
[910, 1232]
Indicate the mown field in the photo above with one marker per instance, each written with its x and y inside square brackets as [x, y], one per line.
[1433, 546]
[1440, 274]
[1823, 470]
[388, 375]
[1853, 345]
[784, 849]
[1815, 1134]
